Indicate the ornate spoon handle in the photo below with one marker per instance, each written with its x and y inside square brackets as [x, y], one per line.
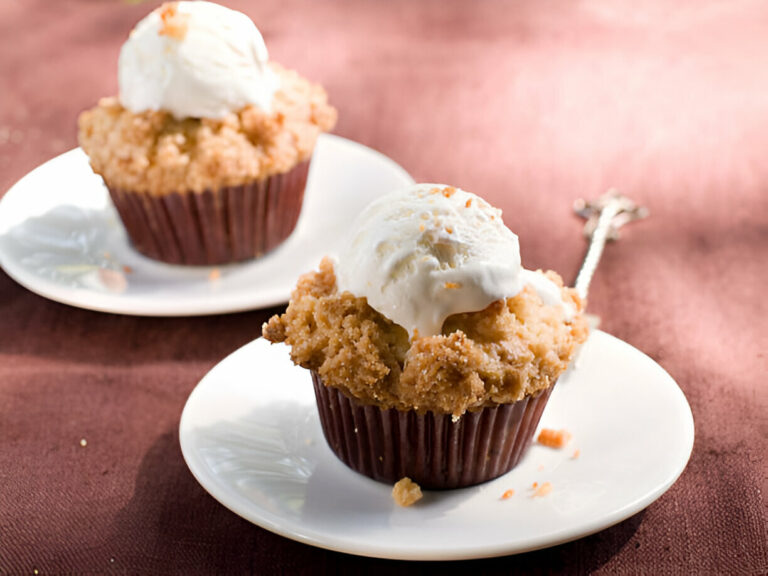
[604, 218]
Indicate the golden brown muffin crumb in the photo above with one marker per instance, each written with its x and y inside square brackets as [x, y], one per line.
[175, 24]
[540, 491]
[553, 438]
[512, 349]
[154, 152]
[406, 492]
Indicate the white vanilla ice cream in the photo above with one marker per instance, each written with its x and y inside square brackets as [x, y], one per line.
[195, 60]
[422, 254]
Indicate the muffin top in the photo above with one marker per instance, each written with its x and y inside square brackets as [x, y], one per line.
[434, 321]
[513, 348]
[200, 107]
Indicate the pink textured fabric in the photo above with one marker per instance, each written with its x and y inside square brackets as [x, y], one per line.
[528, 104]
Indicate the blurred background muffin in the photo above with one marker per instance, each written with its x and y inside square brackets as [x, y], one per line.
[206, 150]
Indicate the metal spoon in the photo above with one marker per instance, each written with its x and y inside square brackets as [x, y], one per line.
[604, 218]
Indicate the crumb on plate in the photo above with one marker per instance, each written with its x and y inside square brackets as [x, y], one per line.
[508, 494]
[406, 492]
[576, 454]
[542, 490]
[112, 280]
[553, 438]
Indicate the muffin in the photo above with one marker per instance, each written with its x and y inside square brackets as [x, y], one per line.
[206, 150]
[432, 351]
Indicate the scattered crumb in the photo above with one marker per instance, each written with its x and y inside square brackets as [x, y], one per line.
[127, 269]
[542, 490]
[553, 438]
[508, 494]
[452, 285]
[214, 274]
[406, 492]
[535, 485]
[576, 454]
[83, 442]
[469, 203]
[113, 280]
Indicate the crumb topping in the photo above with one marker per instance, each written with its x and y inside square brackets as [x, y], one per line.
[175, 24]
[155, 153]
[512, 349]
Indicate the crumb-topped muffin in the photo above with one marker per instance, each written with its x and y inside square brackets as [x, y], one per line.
[206, 150]
[433, 352]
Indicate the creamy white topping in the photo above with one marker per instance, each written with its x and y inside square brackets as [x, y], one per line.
[422, 254]
[548, 291]
[195, 59]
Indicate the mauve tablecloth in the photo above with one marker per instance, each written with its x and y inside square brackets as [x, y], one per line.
[528, 104]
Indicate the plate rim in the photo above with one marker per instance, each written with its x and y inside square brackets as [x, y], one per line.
[85, 299]
[469, 552]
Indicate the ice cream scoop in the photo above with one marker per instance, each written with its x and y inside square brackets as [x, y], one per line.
[195, 60]
[425, 253]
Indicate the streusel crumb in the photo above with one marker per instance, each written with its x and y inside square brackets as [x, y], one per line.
[175, 24]
[553, 438]
[406, 492]
[155, 153]
[512, 349]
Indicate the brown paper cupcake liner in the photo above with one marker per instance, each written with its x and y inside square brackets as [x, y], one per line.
[431, 449]
[214, 226]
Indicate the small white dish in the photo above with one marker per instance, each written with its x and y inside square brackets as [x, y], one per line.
[250, 434]
[61, 237]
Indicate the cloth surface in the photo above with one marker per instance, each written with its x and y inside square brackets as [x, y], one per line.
[528, 104]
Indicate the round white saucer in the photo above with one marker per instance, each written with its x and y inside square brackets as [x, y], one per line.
[61, 237]
[250, 434]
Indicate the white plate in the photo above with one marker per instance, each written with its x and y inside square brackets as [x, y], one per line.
[61, 237]
[250, 434]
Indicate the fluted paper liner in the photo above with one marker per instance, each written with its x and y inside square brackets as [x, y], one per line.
[230, 224]
[431, 449]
